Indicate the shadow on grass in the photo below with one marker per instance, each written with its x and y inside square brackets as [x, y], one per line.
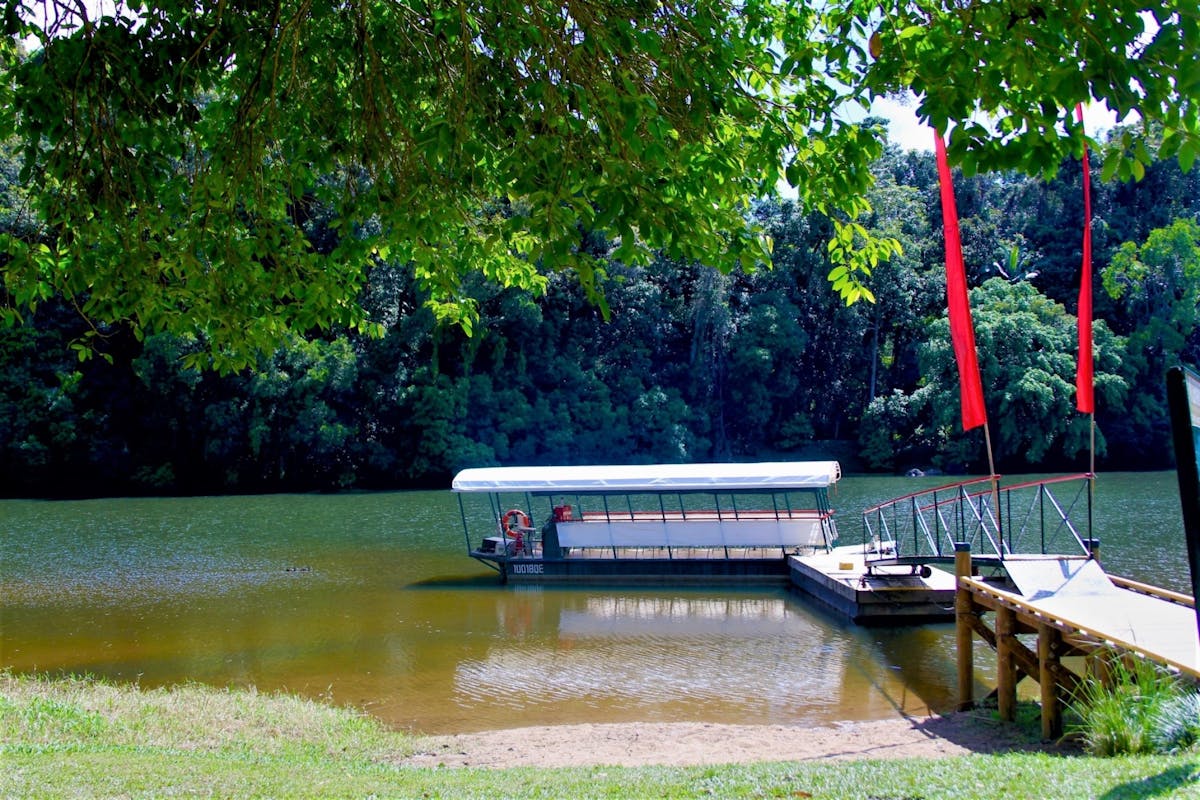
[1164, 783]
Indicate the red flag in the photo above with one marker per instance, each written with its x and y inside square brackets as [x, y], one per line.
[962, 332]
[1084, 399]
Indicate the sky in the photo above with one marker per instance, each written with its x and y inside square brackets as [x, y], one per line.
[910, 134]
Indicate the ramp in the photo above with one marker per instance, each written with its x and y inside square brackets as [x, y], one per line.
[1046, 577]
[1077, 594]
[1075, 609]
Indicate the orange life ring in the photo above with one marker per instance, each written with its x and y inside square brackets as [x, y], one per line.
[513, 521]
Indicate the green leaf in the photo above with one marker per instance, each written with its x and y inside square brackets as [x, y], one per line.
[1187, 155]
[1112, 162]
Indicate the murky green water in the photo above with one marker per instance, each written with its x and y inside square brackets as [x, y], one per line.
[370, 600]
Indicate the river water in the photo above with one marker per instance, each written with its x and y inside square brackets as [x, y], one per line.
[370, 600]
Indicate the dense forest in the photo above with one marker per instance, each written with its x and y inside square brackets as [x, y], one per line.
[677, 362]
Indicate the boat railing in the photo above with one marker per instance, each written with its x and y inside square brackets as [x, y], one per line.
[721, 515]
[532, 546]
[996, 521]
[735, 530]
[677, 552]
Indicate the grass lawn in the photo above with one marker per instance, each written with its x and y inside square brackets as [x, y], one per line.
[72, 737]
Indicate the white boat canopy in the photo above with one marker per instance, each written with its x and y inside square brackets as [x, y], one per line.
[648, 478]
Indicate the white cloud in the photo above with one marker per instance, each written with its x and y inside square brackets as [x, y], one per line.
[905, 130]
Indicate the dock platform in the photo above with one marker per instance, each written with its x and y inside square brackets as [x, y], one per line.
[845, 581]
[903, 570]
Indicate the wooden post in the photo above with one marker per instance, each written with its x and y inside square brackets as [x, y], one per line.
[1093, 548]
[963, 610]
[1048, 649]
[1006, 673]
[1098, 666]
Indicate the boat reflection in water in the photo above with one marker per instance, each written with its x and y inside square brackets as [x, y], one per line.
[697, 656]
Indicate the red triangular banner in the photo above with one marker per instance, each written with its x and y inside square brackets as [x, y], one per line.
[1084, 396]
[962, 331]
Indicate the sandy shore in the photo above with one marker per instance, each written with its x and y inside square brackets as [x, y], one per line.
[637, 744]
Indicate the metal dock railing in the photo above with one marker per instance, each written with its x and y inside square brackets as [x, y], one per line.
[1032, 517]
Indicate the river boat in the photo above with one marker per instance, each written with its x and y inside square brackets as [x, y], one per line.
[666, 523]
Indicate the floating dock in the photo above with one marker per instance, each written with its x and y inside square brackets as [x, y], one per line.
[903, 572]
[847, 581]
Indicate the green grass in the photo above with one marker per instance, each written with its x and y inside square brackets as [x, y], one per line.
[73, 737]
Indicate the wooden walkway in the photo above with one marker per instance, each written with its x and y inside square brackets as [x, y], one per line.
[1074, 608]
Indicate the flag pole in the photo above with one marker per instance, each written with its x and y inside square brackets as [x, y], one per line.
[995, 480]
[1092, 543]
[987, 437]
[1085, 400]
[1092, 463]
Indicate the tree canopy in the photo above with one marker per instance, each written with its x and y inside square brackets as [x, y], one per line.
[694, 364]
[234, 171]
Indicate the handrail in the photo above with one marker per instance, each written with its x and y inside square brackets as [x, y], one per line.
[1154, 591]
[1066, 521]
[721, 515]
[955, 499]
[930, 522]
[989, 595]
[1053, 479]
[1037, 511]
[902, 498]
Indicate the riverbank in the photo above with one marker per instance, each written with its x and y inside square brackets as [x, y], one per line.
[73, 737]
[692, 744]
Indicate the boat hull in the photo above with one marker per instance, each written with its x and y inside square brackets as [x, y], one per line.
[640, 570]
